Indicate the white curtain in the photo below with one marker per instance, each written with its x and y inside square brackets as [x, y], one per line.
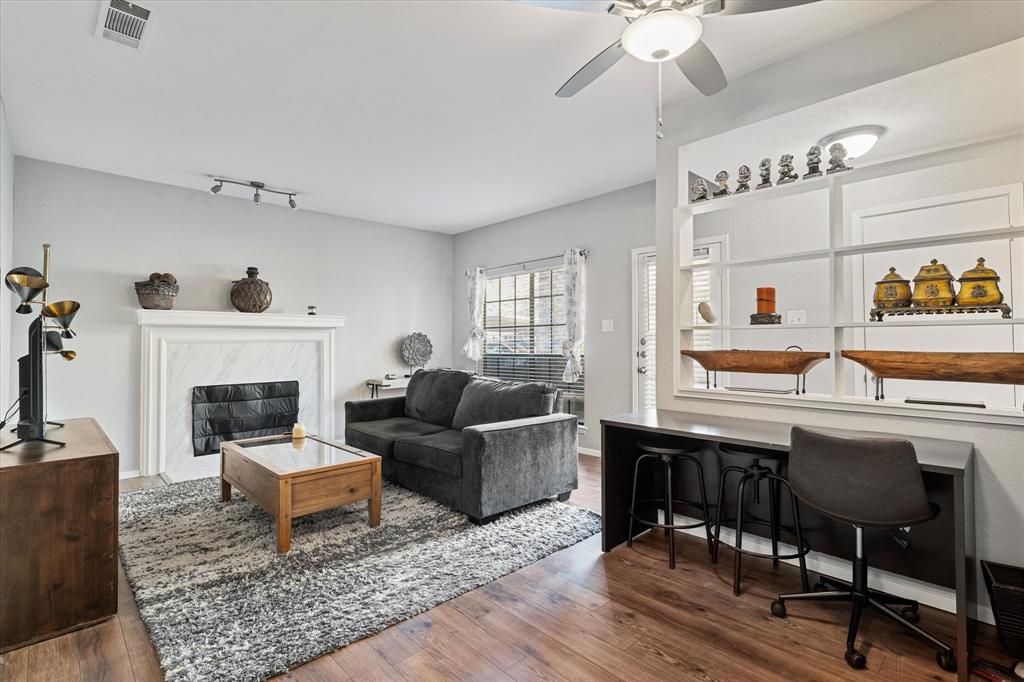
[575, 313]
[474, 346]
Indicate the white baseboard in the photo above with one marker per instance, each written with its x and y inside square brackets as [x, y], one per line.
[589, 451]
[936, 596]
[129, 474]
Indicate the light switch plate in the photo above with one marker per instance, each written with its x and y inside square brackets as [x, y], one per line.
[607, 325]
[796, 317]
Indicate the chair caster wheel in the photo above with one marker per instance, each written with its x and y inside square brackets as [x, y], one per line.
[778, 609]
[910, 614]
[946, 661]
[856, 660]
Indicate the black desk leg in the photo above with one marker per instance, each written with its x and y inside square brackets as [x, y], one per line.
[963, 541]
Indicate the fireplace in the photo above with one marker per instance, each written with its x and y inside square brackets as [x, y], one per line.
[183, 350]
[235, 411]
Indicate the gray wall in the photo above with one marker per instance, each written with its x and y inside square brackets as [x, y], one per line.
[611, 226]
[108, 231]
[6, 245]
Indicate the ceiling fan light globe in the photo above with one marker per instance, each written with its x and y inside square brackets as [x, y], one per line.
[661, 35]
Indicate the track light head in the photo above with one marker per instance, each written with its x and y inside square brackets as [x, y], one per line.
[256, 198]
[217, 188]
[291, 202]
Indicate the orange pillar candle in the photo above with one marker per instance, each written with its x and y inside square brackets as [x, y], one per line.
[765, 300]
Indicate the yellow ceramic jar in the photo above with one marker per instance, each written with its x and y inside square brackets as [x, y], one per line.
[933, 286]
[979, 286]
[892, 291]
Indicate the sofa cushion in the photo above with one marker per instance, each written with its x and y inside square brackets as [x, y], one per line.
[440, 452]
[433, 395]
[379, 436]
[485, 401]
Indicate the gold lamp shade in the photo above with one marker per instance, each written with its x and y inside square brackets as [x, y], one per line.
[62, 312]
[26, 287]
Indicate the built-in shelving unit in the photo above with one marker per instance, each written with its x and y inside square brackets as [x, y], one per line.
[846, 313]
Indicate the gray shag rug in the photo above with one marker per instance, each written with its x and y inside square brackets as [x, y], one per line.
[221, 604]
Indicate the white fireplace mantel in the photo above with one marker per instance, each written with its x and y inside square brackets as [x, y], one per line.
[181, 349]
[219, 318]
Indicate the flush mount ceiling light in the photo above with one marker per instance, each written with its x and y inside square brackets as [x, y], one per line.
[661, 35]
[858, 140]
[257, 198]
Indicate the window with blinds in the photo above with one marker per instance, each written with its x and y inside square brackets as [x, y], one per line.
[707, 286]
[524, 327]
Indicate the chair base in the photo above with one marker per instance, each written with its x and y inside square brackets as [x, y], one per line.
[860, 597]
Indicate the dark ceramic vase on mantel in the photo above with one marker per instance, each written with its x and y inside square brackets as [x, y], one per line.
[252, 294]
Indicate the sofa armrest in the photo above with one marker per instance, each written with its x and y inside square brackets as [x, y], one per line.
[512, 463]
[374, 409]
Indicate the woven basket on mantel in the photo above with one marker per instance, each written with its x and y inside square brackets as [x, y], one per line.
[156, 295]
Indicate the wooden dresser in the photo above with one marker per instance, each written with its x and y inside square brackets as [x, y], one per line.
[58, 534]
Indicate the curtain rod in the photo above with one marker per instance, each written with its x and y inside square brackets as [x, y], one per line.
[583, 252]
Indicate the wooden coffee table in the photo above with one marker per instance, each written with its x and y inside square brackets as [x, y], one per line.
[290, 478]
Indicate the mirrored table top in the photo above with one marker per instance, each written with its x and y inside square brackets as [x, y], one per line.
[287, 456]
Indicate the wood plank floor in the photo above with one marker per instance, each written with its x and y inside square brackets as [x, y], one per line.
[575, 615]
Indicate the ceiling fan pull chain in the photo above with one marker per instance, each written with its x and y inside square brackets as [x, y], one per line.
[659, 134]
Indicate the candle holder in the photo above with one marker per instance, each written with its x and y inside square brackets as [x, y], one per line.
[766, 307]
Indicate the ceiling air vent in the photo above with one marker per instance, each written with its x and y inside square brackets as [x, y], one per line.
[124, 22]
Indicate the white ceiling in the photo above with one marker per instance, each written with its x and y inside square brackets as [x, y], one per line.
[920, 111]
[433, 115]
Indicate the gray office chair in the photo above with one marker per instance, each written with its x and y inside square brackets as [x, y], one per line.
[867, 483]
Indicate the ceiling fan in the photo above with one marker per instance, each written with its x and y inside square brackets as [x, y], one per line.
[660, 30]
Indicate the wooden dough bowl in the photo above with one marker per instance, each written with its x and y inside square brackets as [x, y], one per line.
[757, 361]
[984, 368]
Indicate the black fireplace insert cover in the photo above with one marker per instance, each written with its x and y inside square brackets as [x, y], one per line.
[235, 411]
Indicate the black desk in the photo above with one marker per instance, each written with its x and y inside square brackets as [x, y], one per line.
[942, 550]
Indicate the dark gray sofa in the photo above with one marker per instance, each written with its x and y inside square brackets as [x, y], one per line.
[478, 445]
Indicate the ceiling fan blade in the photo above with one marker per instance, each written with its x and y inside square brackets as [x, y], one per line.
[598, 6]
[592, 69]
[748, 6]
[702, 69]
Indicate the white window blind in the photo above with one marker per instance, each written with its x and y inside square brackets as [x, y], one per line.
[524, 328]
[707, 286]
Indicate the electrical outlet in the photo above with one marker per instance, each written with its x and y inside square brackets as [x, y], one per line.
[607, 325]
[796, 317]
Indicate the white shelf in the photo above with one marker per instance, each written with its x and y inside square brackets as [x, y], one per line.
[757, 195]
[749, 327]
[935, 240]
[818, 254]
[951, 320]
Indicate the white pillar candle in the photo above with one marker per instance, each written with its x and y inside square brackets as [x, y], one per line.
[299, 431]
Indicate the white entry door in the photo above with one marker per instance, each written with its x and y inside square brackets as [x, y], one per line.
[645, 323]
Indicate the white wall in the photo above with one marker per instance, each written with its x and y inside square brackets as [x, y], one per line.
[6, 247]
[108, 231]
[611, 226]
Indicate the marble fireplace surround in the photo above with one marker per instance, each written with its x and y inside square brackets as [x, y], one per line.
[182, 349]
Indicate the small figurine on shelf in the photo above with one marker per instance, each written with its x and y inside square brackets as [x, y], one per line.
[836, 162]
[743, 180]
[700, 190]
[786, 171]
[722, 180]
[765, 169]
[813, 162]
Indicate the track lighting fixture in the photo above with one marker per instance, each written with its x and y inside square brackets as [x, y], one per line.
[257, 198]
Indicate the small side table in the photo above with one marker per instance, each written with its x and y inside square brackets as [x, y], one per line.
[378, 385]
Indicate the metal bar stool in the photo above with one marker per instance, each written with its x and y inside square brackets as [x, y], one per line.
[755, 473]
[669, 456]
